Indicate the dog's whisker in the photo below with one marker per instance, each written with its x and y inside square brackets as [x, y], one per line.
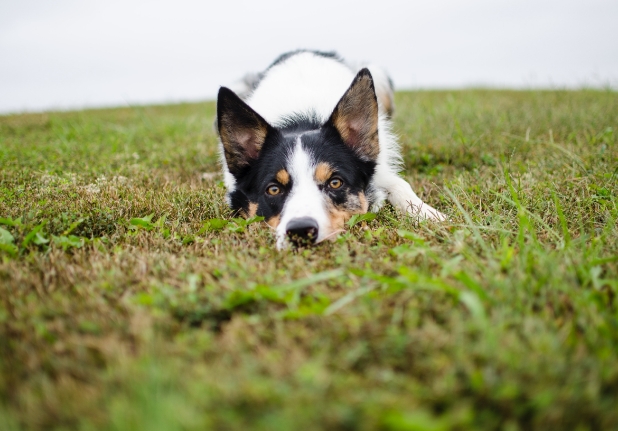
[330, 235]
[271, 228]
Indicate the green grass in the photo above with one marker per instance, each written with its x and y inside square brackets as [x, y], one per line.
[131, 300]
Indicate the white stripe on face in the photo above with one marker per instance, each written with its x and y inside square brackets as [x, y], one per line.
[305, 199]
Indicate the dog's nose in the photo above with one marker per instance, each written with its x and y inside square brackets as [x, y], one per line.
[302, 230]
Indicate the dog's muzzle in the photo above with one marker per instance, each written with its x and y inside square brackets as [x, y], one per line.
[302, 230]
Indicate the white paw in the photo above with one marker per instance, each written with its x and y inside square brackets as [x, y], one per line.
[426, 212]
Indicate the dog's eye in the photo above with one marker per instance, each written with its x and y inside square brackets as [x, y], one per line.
[273, 190]
[335, 183]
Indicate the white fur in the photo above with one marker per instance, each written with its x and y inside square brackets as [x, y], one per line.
[304, 83]
[305, 199]
[307, 83]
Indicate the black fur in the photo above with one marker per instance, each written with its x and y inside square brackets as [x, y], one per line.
[325, 145]
[256, 152]
[252, 182]
[330, 54]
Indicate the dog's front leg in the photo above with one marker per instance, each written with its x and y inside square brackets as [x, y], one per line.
[400, 195]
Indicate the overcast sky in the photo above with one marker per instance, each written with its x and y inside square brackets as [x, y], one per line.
[70, 53]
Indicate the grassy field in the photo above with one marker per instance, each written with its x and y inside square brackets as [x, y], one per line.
[130, 299]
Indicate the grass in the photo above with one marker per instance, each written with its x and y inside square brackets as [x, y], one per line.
[131, 299]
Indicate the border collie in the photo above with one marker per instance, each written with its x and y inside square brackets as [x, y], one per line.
[308, 143]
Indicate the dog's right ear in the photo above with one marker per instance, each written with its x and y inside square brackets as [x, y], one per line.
[356, 117]
[241, 129]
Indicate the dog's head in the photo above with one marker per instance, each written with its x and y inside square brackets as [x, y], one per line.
[306, 179]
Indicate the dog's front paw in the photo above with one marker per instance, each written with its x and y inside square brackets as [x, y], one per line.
[437, 216]
[434, 215]
[426, 212]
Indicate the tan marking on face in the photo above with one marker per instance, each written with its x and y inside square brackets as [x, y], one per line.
[338, 218]
[363, 202]
[323, 172]
[283, 177]
[253, 207]
[340, 214]
[274, 221]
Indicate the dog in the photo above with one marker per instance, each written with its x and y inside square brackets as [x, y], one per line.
[308, 143]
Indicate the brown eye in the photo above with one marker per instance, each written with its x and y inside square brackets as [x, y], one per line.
[335, 183]
[273, 190]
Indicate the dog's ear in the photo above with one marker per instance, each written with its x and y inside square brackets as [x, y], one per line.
[241, 129]
[356, 117]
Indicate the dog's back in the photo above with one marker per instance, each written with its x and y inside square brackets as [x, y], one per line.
[308, 83]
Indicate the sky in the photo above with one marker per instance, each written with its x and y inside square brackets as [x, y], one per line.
[66, 54]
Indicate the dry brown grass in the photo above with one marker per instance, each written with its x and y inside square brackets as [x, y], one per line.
[504, 317]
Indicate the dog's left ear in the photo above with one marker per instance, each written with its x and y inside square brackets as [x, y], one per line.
[241, 129]
[356, 117]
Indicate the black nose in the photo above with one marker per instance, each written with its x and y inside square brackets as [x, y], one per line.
[302, 230]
